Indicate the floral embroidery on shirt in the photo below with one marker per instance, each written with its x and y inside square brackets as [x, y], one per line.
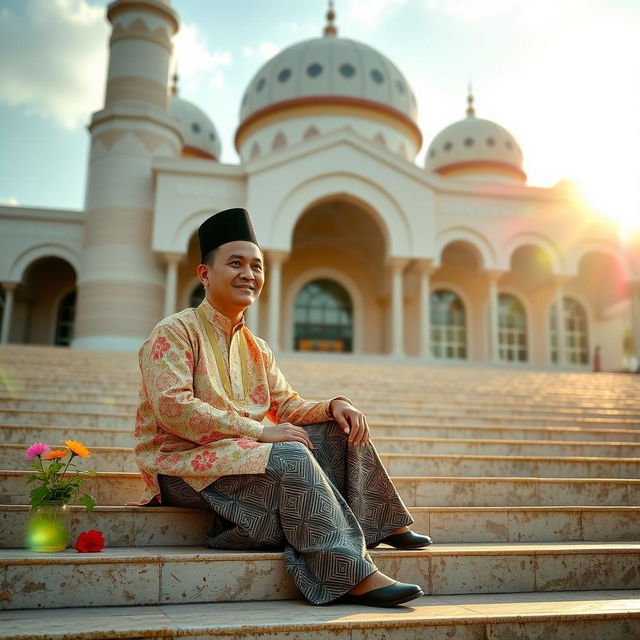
[260, 394]
[160, 346]
[248, 444]
[204, 461]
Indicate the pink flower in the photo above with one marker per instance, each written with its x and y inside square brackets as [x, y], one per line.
[36, 449]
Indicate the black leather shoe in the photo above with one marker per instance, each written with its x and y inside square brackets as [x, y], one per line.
[407, 540]
[390, 596]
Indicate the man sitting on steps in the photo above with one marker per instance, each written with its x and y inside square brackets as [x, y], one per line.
[311, 484]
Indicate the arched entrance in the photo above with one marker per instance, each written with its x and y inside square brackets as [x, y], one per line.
[323, 318]
[334, 278]
[44, 304]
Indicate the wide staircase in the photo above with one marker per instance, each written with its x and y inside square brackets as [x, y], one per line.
[527, 481]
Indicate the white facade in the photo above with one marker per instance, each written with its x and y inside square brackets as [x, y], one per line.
[456, 261]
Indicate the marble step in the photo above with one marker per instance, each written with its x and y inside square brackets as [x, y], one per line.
[180, 575]
[510, 466]
[401, 381]
[112, 437]
[432, 454]
[510, 400]
[154, 526]
[123, 420]
[405, 464]
[567, 615]
[111, 488]
[107, 405]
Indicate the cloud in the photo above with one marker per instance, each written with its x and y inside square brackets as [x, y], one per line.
[263, 52]
[369, 12]
[9, 202]
[57, 51]
[197, 65]
[515, 10]
[267, 50]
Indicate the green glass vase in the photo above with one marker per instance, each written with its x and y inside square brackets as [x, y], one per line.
[49, 527]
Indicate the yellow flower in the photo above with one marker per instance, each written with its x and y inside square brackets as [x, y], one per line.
[77, 448]
[54, 455]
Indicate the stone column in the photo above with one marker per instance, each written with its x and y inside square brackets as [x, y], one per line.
[173, 261]
[494, 347]
[7, 312]
[560, 326]
[397, 266]
[424, 306]
[276, 259]
[252, 316]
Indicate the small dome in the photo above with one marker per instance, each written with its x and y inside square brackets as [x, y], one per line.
[329, 67]
[475, 148]
[200, 136]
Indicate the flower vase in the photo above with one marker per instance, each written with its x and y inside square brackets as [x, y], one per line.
[49, 527]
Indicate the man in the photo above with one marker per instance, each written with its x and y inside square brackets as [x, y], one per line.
[311, 483]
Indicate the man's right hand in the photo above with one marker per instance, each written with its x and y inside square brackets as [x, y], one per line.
[285, 432]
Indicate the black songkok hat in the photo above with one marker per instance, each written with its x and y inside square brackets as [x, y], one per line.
[225, 226]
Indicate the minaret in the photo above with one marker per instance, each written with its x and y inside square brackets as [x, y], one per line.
[121, 283]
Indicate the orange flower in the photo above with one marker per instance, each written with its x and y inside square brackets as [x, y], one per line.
[77, 448]
[54, 455]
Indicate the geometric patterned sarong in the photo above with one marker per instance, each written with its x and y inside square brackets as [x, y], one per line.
[322, 507]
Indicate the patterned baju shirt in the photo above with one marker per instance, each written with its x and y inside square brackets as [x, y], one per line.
[188, 424]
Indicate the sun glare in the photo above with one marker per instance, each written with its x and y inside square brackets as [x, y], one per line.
[619, 203]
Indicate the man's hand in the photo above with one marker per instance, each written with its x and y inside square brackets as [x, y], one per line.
[351, 421]
[285, 432]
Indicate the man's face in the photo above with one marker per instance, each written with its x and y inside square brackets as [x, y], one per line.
[235, 276]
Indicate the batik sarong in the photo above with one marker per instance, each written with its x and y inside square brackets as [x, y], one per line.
[322, 507]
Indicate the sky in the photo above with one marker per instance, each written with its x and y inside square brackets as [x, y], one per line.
[563, 76]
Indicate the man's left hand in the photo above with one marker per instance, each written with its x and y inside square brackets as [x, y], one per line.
[351, 421]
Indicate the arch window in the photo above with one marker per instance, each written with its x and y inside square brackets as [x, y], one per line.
[323, 318]
[576, 332]
[512, 329]
[65, 319]
[311, 132]
[197, 296]
[448, 325]
[379, 139]
[279, 141]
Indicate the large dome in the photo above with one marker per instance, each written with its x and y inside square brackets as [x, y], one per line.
[329, 66]
[201, 140]
[476, 149]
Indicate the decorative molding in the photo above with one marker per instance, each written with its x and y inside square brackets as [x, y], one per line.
[328, 105]
[136, 89]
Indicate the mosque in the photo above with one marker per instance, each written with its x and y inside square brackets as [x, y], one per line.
[366, 252]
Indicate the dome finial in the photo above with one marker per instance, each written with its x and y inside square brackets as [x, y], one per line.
[470, 110]
[330, 28]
